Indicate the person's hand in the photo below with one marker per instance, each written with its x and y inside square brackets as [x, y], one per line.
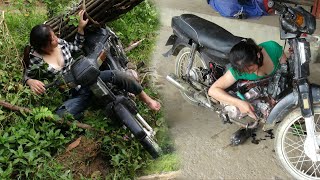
[36, 86]
[246, 108]
[82, 22]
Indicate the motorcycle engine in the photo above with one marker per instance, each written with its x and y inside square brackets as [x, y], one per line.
[258, 98]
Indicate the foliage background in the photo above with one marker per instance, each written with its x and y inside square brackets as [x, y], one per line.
[29, 143]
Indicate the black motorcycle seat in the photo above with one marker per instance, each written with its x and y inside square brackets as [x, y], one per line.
[204, 32]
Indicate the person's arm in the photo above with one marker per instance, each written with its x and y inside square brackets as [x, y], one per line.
[283, 58]
[76, 45]
[82, 22]
[217, 91]
[35, 85]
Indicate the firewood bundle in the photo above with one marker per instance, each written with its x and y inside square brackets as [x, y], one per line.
[98, 11]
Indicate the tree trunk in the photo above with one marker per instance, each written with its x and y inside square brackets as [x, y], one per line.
[101, 11]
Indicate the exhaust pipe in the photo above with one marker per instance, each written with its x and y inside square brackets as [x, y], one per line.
[203, 100]
[180, 84]
[187, 88]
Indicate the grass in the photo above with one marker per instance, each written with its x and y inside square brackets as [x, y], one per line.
[166, 163]
[20, 23]
[27, 157]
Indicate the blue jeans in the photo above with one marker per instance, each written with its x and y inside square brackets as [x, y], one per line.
[80, 99]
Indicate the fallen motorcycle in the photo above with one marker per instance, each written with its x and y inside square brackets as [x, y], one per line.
[103, 48]
[286, 99]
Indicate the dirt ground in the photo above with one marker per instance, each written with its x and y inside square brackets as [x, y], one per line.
[202, 140]
[82, 157]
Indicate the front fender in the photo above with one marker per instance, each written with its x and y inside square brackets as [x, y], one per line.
[285, 105]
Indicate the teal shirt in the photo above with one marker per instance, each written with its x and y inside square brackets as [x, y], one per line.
[273, 49]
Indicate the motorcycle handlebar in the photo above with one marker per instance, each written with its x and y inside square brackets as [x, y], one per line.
[54, 83]
[49, 85]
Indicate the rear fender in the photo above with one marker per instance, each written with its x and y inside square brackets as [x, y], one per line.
[178, 41]
[287, 104]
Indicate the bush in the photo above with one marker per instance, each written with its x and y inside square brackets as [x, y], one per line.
[55, 7]
[29, 142]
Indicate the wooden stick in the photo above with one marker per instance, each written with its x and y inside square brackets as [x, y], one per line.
[98, 11]
[60, 121]
[13, 107]
[89, 17]
[133, 45]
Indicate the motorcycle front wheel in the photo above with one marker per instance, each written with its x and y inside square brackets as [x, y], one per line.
[289, 145]
[182, 61]
[151, 146]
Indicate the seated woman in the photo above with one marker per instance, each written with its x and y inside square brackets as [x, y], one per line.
[249, 61]
[50, 56]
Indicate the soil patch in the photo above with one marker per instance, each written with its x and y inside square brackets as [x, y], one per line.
[84, 159]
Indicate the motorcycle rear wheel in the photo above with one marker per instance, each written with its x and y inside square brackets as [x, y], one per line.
[151, 146]
[289, 145]
[182, 61]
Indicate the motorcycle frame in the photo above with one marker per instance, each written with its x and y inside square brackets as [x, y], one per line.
[122, 108]
[303, 93]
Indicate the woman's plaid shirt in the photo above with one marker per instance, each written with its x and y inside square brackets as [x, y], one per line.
[40, 70]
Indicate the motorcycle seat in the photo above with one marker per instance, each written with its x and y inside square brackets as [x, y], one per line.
[204, 32]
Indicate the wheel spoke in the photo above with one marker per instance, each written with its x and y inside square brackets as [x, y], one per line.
[290, 145]
[316, 168]
[301, 145]
[312, 166]
[298, 130]
[182, 62]
[295, 134]
[293, 142]
[317, 125]
[303, 161]
[295, 157]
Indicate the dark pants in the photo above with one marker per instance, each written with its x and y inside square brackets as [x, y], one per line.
[80, 99]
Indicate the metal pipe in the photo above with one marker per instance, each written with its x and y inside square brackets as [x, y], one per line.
[172, 78]
[191, 58]
[144, 123]
[247, 126]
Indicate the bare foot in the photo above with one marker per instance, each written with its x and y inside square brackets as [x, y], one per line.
[154, 105]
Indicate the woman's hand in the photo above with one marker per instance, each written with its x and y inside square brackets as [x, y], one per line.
[82, 22]
[246, 108]
[36, 86]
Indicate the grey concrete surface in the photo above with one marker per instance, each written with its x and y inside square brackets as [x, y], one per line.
[201, 139]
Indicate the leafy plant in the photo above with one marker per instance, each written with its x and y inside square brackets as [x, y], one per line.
[30, 142]
[55, 7]
[73, 20]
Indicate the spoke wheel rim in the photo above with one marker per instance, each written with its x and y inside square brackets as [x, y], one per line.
[292, 148]
[182, 64]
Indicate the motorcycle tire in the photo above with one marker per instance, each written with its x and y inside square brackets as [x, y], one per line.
[182, 60]
[151, 146]
[289, 145]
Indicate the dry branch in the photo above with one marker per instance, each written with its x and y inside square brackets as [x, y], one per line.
[99, 12]
[60, 121]
[133, 45]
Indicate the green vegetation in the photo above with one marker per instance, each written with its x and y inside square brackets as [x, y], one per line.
[166, 163]
[32, 145]
[139, 21]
